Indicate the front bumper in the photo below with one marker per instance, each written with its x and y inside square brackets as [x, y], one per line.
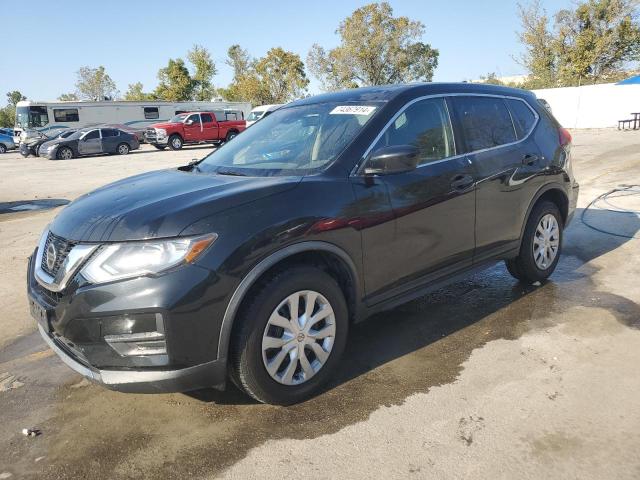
[211, 374]
[79, 320]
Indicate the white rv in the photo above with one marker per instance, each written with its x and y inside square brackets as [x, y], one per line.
[50, 116]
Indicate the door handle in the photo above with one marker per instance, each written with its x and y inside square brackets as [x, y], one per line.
[530, 159]
[461, 182]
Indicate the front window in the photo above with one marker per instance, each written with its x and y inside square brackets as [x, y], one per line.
[179, 118]
[31, 117]
[291, 141]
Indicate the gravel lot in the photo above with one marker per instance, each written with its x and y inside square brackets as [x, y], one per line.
[482, 379]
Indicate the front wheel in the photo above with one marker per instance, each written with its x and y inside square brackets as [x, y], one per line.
[289, 338]
[123, 149]
[541, 245]
[65, 153]
[175, 142]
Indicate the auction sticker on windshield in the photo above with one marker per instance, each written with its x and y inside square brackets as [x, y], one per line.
[352, 110]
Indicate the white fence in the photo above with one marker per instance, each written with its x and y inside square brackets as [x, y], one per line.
[592, 106]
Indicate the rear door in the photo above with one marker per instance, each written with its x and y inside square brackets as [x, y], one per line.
[433, 205]
[110, 140]
[506, 159]
[193, 128]
[91, 143]
[209, 127]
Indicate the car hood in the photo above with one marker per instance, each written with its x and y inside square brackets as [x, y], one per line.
[159, 204]
[165, 125]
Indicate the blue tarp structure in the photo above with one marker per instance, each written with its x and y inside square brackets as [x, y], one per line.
[630, 81]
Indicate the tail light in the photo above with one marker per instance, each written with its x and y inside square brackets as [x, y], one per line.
[565, 137]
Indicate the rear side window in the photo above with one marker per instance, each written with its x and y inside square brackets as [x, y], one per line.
[485, 122]
[523, 117]
[206, 118]
[109, 132]
[66, 115]
[425, 125]
[151, 113]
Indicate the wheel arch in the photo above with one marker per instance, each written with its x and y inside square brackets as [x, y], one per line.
[554, 193]
[328, 255]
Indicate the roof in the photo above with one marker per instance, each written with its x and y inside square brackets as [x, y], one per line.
[630, 81]
[385, 93]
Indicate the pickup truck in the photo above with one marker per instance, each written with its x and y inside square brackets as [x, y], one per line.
[194, 127]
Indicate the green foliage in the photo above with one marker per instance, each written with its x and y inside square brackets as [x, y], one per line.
[94, 84]
[14, 97]
[8, 112]
[278, 77]
[376, 48]
[176, 84]
[205, 69]
[68, 97]
[591, 43]
[136, 93]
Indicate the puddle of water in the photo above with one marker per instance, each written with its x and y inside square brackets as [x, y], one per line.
[27, 205]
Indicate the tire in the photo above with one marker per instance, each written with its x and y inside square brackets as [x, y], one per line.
[175, 142]
[3, 148]
[248, 360]
[533, 263]
[160, 147]
[230, 135]
[123, 149]
[65, 153]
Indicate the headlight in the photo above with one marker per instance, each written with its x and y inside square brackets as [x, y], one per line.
[133, 259]
[161, 132]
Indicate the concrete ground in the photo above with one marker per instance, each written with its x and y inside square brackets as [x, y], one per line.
[482, 379]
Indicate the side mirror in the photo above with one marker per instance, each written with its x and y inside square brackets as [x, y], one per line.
[189, 122]
[390, 160]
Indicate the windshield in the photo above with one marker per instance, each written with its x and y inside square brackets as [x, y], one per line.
[253, 116]
[31, 117]
[178, 118]
[291, 141]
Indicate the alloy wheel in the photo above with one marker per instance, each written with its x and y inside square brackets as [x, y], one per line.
[546, 241]
[298, 338]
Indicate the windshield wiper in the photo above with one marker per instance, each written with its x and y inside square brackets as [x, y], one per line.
[231, 172]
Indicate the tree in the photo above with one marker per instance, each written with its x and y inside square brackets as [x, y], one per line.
[135, 93]
[14, 97]
[94, 84]
[591, 43]
[205, 69]
[176, 83]
[278, 77]
[376, 48]
[68, 97]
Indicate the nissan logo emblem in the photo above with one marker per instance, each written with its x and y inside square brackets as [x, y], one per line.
[51, 256]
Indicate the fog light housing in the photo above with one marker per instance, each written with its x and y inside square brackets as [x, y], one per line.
[137, 335]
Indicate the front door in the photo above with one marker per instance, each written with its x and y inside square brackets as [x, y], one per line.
[433, 206]
[193, 128]
[91, 143]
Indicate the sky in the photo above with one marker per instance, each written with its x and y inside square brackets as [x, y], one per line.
[46, 42]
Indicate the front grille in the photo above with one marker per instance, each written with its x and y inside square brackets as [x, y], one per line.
[150, 134]
[61, 247]
[52, 298]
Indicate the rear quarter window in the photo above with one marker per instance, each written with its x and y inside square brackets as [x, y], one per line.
[524, 119]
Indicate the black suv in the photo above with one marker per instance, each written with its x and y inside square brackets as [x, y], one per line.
[253, 262]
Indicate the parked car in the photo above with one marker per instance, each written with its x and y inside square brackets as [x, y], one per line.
[6, 143]
[261, 112]
[8, 131]
[33, 146]
[195, 127]
[90, 141]
[254, 262]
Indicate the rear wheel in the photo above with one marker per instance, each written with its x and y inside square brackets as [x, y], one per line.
[3, 148]
[65, 153]
[123, 149]
[290, 337]
[175, 142]
[232, 134]
[541, 245]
